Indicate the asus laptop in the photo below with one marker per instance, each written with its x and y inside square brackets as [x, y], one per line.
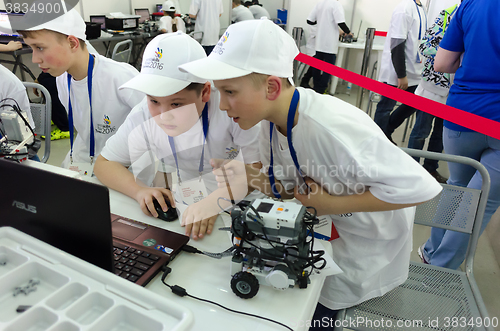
[74, 215]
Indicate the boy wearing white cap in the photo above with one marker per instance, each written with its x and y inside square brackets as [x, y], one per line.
[181, 124]
[87, 85]
[169, 22]
[355, 176]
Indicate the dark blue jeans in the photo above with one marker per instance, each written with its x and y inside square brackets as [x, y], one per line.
[321, 78]
[421, 130]
[323, 319]
[388, 121]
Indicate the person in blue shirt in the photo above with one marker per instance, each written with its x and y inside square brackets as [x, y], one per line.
[473, 35]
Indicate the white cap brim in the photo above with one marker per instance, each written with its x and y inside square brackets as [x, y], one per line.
[209, 68]
[155, 85]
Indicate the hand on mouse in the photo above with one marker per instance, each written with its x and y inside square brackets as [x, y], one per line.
[145, 198]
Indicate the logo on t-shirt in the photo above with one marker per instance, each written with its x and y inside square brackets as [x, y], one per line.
[231, 153]
[105, 128]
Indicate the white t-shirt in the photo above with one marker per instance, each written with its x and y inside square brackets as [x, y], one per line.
[341, 147]
[167, 21]
[258, 12]
[12, 87]
[405, 24]
[328, 14]
[207, 19]
[241, 13]
[110, 106]
[311, 40]
[140, 135]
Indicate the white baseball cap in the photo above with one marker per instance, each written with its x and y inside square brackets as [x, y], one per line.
[160, 75]
[249, 46]
[168, 6]
[70, 24]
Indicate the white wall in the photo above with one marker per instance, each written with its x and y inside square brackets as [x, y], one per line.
[272, 6]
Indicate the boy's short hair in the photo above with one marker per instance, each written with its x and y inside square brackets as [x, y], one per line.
[237, 2]
[59, 36]
[253, 46]
[259, 79]
[197, 87]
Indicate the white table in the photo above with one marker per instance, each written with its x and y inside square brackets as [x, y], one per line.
[209, 278]
[360, 44]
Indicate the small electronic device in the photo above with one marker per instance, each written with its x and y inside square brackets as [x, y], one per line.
[272, 246]
[122, 23]
[168, 216]
[159, 7]
[99, 19]
[143, 13]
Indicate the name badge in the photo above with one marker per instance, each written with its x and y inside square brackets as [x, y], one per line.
[83, 168]
[325, 229]
[187, 193]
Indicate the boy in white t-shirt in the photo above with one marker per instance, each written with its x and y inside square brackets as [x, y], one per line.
[180, 123]
[240, 13]
[96, 108]
[169, 22]
[365, 184]
[257, 10]
[12, 88]
[401, 64]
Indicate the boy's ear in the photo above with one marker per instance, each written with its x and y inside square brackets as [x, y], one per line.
[74, 42]
[273, 87]
[205, 93]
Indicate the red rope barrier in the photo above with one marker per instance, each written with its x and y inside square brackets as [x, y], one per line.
[474, 122]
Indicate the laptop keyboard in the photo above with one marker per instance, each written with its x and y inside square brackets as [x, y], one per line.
[131, 263]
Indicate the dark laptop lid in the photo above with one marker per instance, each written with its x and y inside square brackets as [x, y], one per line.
[70, 214]
[144, 13]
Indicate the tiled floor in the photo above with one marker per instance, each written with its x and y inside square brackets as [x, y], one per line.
[487, 270]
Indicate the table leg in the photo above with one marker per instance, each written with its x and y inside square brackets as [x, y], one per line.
[338, 62]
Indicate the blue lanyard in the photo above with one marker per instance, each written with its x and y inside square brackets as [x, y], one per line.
[420, 19]
[419, 29]
[204, 119]
[289, 125]
[70, 112]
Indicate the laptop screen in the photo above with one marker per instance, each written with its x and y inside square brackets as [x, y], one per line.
[68, 213]
[4, 20]
[144, 13]
[99, 19]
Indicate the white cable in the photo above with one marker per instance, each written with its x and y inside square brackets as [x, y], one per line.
[24, 142]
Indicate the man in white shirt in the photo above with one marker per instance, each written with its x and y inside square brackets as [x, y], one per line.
[240, 12]
[401, 64]
[207, 13]
[329, 16]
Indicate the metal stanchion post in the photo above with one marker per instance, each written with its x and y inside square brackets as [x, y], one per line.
[297, 34]
[370, 34]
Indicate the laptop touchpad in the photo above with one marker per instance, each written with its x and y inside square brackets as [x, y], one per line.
[127, 230]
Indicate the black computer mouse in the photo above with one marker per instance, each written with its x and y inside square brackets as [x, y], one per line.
[169, 215]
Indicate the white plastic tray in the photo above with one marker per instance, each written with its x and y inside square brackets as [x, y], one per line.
[67, 294]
